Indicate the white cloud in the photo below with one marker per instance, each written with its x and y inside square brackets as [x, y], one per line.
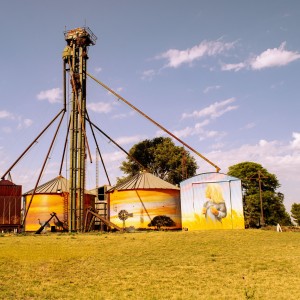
[233, 67]
[198, 130]
[24, 123]
[52, 96]
[148, 74]
[249, 126]
[189, 131]
[202, 124]
[28, 122]
[98, 70]
[185, 132]
[123, 115]
[5, 114]
[212, 133]
[211, 112]
[211, 88]
[120, 89]
[125, 140]
[275, 57]
[295, 143]
[100, 107]
[120, 116]
[214, 110]
[176, 57]
[217, 146]
[114, 156]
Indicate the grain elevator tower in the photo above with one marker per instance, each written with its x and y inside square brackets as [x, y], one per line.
[75, 63]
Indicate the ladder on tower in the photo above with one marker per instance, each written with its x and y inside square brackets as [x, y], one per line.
[66, 207]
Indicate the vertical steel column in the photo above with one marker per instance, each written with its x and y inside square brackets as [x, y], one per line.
[76, 85]
[81, 134]
[73, 147]
[76, 54]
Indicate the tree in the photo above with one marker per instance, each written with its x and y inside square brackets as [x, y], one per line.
[161, 221]
[162, 158]
[296, 213]
[259, 188]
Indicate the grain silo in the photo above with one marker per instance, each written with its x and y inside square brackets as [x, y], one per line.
[50, 197]
[141, 200]
[10, 206]
[212, 201]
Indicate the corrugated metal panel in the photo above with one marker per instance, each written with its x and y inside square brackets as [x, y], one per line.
[10, 203]
[145, 205]
[57, 185]
[144, 180]
[44, 204]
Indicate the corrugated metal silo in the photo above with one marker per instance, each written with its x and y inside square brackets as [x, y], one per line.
[52, 196]
[144, 197]
[212, 201]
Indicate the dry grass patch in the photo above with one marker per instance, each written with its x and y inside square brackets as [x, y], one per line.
[246, 264]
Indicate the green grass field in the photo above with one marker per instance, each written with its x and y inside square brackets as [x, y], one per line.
[242, 264]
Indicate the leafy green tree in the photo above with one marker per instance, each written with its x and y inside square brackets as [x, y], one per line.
[161, 157]
[254, 177]
[296, 213]
[161, 221]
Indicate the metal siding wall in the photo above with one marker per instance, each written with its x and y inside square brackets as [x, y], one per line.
[145, 205]
[44, 204]
[10, 204]
[41, 207]
[193, 198]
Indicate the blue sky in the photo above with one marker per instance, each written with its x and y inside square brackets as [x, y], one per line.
[222, 75]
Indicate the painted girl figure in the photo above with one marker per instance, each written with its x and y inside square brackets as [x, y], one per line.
[214, 208]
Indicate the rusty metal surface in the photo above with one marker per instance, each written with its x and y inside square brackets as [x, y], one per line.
[81, 32]
[10, 203]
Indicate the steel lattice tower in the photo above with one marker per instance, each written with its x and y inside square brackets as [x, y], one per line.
[75, 62]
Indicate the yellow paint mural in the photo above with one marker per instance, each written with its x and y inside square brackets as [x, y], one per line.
[212, 201]
[41, 207]
[144, 205]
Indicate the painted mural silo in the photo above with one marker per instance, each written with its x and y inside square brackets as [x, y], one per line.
[212, 201]
[52, 196]
[144, 197]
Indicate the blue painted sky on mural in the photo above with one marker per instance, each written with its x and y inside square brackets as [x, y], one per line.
[221, 75]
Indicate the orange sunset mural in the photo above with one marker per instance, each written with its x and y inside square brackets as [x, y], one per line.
[144, 197]
[50, 197]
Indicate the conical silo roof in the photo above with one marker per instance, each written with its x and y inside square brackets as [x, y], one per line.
[57, 185]
[144, 180]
